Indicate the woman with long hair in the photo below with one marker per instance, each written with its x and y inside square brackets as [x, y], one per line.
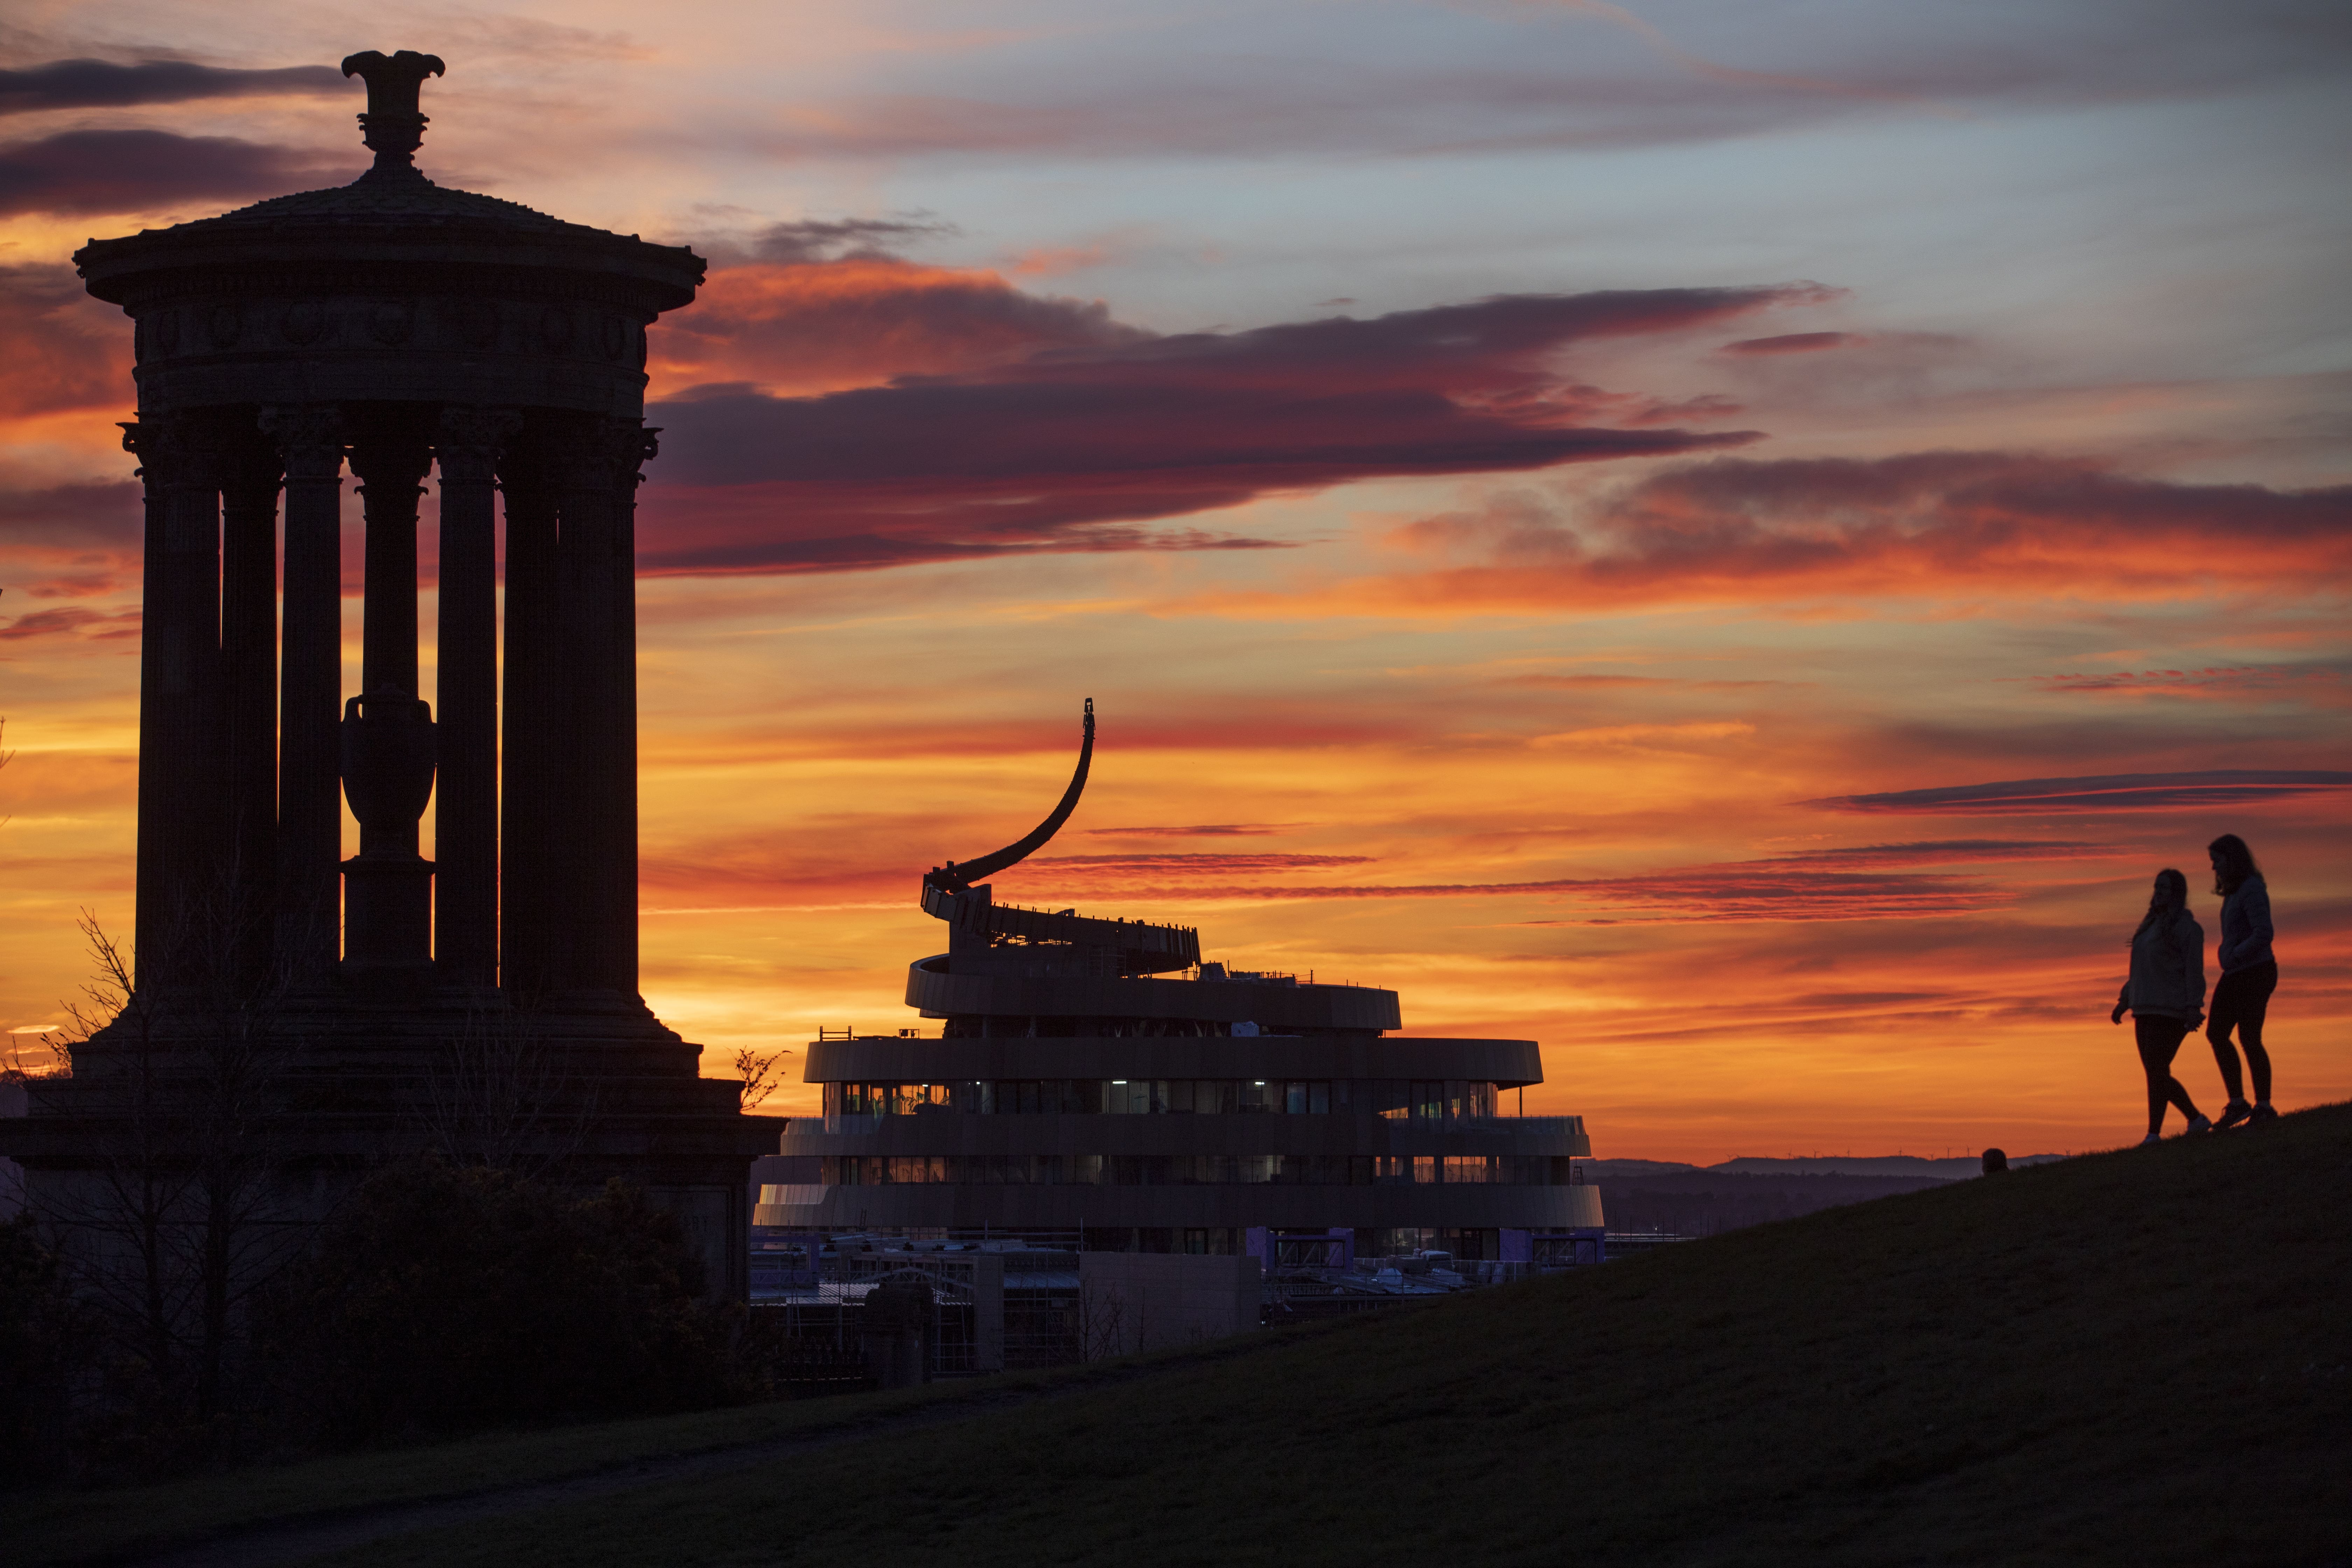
[2249, 975]
[2165, 994]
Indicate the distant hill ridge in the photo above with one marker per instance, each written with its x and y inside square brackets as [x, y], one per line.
[1950, 1170]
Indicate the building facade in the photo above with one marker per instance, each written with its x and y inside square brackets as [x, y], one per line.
[1092, 1080]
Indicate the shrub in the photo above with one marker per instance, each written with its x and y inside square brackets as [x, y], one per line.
[46, 1348]
[444, 1297]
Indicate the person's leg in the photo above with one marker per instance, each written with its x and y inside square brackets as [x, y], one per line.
[2219, 1022]
[2176, 1031]
[2251, 1013]
[2179, 1097]
[2158, 1093]
[2158, 1039]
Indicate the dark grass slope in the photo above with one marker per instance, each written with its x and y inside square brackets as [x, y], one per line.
[2130, 1358]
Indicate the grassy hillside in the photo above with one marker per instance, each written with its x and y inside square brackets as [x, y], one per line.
[2138, 1357]
[1707, 1203]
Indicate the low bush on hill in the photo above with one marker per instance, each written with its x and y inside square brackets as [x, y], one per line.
[437, 1299]
[44, 1346]
[444, 1297]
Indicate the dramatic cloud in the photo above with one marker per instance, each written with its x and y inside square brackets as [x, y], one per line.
[1530, 76]
[1793, 343]
[1935, 524]
[62, 349]
[2321, 683]
[1038, 453]
[839, 239]
[1946, 852]
[1882, 881]
[69, 620]
[1196, 865]
[817, 326]
[148, 171]
[2113, 792]
[1864, 883]
[102, 84]
[1207, 830]
[1748, 890]
[73, 541]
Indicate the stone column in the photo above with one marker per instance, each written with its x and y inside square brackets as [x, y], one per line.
[596, 595]
[387, 731]
[180, 862]
[465, 805]
[249, 663]
[533, 902]
[391, 462]
[309, 768]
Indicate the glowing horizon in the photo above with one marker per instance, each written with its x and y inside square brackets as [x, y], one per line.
[1732, 546]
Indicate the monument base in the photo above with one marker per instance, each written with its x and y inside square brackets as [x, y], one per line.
[320, 1088]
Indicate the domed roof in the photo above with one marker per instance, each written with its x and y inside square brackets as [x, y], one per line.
[390, 216]
[372, 195]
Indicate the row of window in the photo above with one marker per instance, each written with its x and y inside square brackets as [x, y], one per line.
[1397, 1098]
[1194, 1170]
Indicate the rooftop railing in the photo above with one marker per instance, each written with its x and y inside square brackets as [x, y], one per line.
[1489, 1126]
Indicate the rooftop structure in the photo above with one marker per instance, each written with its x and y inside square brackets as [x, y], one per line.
[1095, 1081]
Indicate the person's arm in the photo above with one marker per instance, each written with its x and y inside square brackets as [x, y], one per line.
[2258, 916]
[2123, 1000]
[2192, 965]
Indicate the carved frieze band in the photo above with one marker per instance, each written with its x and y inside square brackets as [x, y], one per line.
[564, 328]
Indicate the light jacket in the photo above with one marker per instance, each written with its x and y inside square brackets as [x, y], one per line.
[2168, 969]
[2245, 927]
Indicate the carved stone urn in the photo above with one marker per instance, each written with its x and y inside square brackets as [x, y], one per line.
[388, 746]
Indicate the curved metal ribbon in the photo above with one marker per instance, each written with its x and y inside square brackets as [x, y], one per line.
[954, 879]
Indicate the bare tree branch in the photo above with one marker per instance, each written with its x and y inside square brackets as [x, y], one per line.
[762, 1076]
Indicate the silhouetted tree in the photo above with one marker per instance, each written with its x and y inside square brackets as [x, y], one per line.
[499, 1094]
[47, 1350]
[445, 1297]
[185, 1206]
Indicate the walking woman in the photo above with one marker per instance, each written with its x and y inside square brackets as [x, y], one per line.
[2165, 994]
[2249, 975]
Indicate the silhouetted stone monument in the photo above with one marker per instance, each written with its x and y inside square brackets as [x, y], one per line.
[403, 326]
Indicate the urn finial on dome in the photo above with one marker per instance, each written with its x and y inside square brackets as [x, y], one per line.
[392, 126]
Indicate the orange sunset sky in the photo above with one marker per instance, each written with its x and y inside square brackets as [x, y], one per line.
[1731, 540]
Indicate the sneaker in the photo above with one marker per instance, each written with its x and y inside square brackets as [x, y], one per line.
[2151, 1138]
[2261, 1114]
[2237, 1110]
[2197, 1124]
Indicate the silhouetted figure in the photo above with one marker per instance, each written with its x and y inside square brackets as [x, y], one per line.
[2249, 975]
[1995, 1160]
[2165, 994]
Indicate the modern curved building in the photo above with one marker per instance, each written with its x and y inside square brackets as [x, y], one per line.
[1096, 1081]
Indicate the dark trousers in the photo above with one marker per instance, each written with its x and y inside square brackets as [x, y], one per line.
[2240, 998]
[2159, 1041]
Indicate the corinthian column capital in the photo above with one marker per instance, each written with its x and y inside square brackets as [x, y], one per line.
[600, 454]
[311, 438]
[174, 453]
[471, 440]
